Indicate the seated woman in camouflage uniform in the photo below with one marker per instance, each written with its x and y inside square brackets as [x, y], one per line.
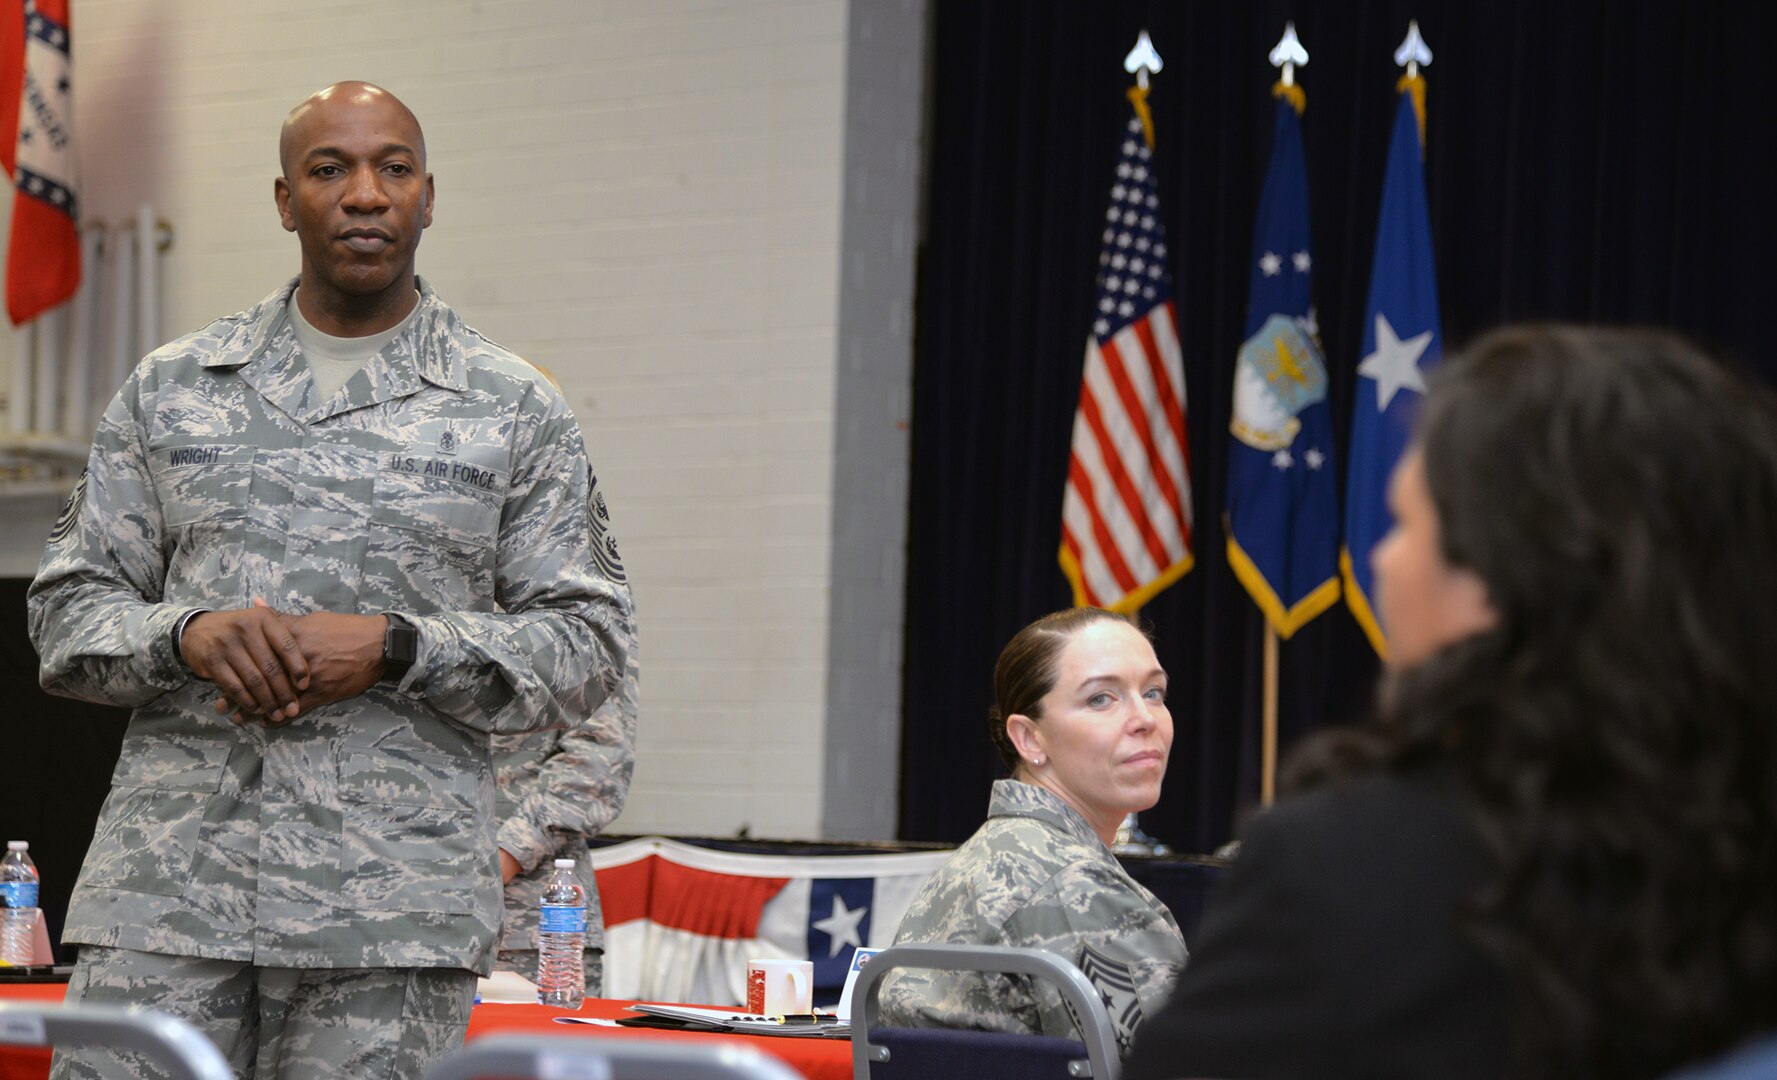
[1081, 722]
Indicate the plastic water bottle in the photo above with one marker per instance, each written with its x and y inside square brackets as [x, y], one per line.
[561, 941]
[18, 897]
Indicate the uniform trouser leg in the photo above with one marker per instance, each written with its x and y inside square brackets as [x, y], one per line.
[278, 1023]
[363, 1022]
[215, 996]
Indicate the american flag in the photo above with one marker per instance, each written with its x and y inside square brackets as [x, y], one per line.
[1126, 511]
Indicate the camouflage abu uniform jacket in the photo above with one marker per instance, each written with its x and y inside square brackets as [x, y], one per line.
[447, 482]
[1035, 875]
[554, 790]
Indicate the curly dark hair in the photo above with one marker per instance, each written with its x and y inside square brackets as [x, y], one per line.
[1028, 667]
[1616, 490]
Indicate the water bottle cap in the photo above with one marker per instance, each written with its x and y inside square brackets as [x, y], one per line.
[564, 864]
[18, 845]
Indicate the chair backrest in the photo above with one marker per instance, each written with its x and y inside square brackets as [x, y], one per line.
[592, 1057]
[1101, 1061]
[172, 1043]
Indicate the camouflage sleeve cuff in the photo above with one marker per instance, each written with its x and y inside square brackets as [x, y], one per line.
[525, 842]
[179, 636]
[158, 644]
[414, 682]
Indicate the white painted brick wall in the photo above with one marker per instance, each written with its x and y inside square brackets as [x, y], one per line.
[646, 199]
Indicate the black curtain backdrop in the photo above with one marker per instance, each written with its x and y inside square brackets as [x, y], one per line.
[59, 756]
[1586, 161]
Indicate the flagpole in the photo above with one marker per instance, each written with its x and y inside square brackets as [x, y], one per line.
[1287, 53]
[1268, 730]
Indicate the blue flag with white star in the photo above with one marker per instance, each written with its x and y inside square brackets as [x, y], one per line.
[1283, 508]
[1402, 341]
[838, 923]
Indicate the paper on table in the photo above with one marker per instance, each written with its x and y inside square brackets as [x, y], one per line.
[739, 1020]
[506, 988]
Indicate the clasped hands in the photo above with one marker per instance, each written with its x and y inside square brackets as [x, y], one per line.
[273, 667]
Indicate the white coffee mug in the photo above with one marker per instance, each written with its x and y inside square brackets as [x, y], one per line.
[780, 987]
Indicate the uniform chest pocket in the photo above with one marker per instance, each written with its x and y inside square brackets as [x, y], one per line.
[201, 482]
[432, 542]
[453, 516]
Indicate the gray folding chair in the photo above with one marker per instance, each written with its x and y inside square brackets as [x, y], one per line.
[591, 1057]
[933, 1051]
[171, 1043]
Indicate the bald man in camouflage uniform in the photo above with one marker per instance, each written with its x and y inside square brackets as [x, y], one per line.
[323, 589]
[1035, 875]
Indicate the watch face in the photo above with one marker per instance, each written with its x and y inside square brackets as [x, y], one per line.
[400, 644]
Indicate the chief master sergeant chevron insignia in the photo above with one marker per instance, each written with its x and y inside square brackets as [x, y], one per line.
[70, 510]
[1115, 984]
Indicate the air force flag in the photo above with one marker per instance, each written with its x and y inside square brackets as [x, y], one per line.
[1402, 341]
[1283, 513]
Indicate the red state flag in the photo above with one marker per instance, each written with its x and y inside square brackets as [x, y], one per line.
[43, 253]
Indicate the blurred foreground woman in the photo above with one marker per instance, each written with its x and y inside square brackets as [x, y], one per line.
[1081, 723]
[1554, 852]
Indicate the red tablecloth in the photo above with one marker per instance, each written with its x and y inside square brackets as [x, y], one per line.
[817, 1059]
[30, 1062]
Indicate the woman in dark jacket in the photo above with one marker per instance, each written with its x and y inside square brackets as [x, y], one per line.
[1554, 852]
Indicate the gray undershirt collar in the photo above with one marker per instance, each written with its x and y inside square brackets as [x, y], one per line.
[334, 360]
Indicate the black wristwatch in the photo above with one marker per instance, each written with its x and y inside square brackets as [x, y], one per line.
[401, 645]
